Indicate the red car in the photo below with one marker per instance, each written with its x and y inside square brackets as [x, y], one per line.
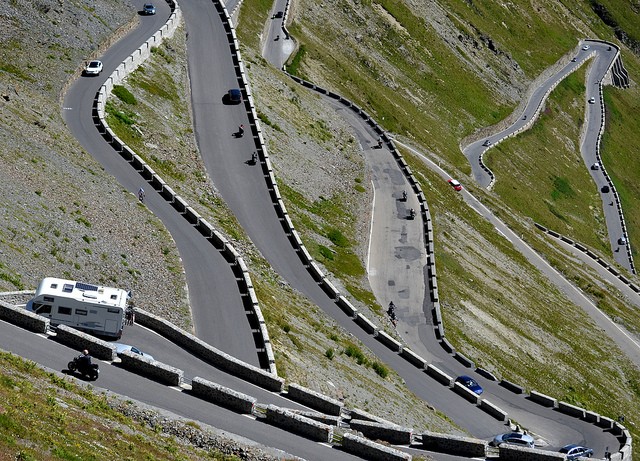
[456, 185]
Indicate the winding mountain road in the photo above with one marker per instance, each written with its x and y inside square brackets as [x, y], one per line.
[222, 323]
[603, 55]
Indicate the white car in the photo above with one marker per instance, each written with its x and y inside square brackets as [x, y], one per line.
[592, 100]
[93, 68]
[585, 47]
[126, 347]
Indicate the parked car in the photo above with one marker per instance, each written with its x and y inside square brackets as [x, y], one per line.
[470, 384]
[93, 68]
[585, 47]
[235, 96]
[574, 451]
[456, 185]
[148, 8]
[126, 347]
[592, 100]
[514, 438]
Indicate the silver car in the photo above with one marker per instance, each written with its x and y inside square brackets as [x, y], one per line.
[514, 438]
[126, 347]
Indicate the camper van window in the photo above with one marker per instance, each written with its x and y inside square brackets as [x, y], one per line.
[81, 312]
[67, 288]
[113, 310]
[114, 296]
[64, 310]
[39, 308]
[54, 285]
[47, 299]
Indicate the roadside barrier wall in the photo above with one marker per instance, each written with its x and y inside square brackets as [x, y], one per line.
[314, 399]
[79, 341]
[390, 433]
[151, 369]
[223, 396]
[23, 318]
[589, 252]
[301, 425]
[209, 353]
[372, 451]
[516, 453]
[253, 311]
[454, 445]
[320, 417]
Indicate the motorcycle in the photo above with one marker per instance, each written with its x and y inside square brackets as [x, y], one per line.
[412, 213]
[92, 371]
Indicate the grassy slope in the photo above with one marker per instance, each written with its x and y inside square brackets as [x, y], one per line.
[483, 282]
[44, 417]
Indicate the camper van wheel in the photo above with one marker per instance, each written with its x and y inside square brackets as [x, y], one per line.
[71, 366]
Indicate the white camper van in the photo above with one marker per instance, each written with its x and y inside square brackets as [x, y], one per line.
[91, 308]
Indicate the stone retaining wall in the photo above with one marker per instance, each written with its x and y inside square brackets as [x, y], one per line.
[79, 341]
[23, 318]
[373, 430]
[151, 369]
[454, 445]
[298, 424]
[366, 449]
[222, 396]
[209, 353]
[314, 399]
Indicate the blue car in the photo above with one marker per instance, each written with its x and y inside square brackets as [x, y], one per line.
[234, 96]
[470, 384]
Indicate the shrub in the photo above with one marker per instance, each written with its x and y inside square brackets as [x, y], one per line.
[124, 95]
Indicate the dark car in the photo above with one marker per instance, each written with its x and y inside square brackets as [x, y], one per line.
[470, 384]
[604, 189]
[148, 8]
[278, 15]
[622, 240]
[574, 451]
[234, 96]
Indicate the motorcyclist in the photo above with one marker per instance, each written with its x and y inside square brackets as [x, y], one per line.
[412, 213]
[392, 309]
[84, 360]
[241, 130]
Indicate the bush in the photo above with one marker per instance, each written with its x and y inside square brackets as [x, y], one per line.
[124, 95]
[380, 369]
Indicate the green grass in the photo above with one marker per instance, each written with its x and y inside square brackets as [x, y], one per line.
[540, 173]
[47, 417]
[124, 95]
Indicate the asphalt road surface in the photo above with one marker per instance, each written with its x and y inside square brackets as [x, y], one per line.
[218, 311]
